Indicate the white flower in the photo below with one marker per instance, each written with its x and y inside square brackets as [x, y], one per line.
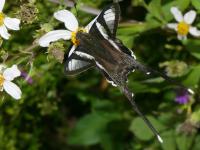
[6, 77]
[71, 24]
[183, 27]
[7, 22]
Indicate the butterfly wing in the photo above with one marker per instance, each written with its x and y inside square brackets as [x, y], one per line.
[78, 61]
[105, 27]
[108, 19]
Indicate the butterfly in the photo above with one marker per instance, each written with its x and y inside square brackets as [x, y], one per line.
[100, 48]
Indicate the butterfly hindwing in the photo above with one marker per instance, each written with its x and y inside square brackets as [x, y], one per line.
[108, 78]
[124, 48]
[77, 62]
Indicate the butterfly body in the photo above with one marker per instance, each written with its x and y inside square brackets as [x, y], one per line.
[107, 57]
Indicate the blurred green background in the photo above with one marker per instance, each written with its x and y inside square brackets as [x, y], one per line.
[57, 112]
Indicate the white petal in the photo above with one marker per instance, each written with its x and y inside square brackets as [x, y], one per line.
[68, 18]
[194, 31]
[11, 73]
[90, 24]
[54, 36]
[177, 14]
[72, 50]
[190, 16]
[2, 5]
[4, 32]
[182, 37]
[12, 89]
[12, 23]
[172, 26]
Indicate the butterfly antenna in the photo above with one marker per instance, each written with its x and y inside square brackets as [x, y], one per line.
[130, 97]
[148, 71]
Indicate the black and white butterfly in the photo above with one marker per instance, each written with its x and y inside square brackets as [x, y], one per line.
[101, 49]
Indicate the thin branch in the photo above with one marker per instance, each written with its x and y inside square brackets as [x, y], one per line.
[30, 48]
[84, 8]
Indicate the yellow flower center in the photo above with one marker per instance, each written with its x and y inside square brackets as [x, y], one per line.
[2, 16]
[1, 80]
[73, 36]
[183, 28]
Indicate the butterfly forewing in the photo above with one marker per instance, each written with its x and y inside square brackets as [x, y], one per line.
[109, 19]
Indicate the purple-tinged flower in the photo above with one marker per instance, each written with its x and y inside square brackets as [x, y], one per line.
[182, 96]
[26, 77]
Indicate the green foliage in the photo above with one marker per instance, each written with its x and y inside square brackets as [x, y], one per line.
[138, 127]
[57, 112]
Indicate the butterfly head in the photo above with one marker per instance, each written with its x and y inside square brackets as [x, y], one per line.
[74, 38]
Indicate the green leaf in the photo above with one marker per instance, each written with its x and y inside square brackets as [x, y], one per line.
[127, 40]
[196, 4]
[141, 130]
[169, 142]
[184, 142]
[193, 47]
[196, 143]
[89, 129]
[155, 9]
[169, 95]
[195, 117]
[142, 88]
[183, 4]
[193, 77]
[108, 142]
[133, 28]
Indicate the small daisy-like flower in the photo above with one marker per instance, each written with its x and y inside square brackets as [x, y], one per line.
[7, 22]
[71, 24]
[182, 97]
[6, 77]
[183, 27]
